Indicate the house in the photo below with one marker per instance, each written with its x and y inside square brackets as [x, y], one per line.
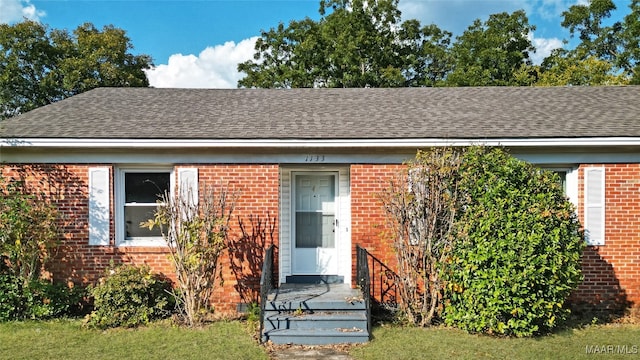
[320, 157]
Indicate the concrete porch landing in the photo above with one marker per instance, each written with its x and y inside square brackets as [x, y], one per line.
[315, 314]
[313, 293]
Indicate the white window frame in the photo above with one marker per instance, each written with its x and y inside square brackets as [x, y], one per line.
[121, 240]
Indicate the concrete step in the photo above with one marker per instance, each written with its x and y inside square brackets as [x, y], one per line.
[317, 336]
[315, 314]
[319, 320]
[311, 305]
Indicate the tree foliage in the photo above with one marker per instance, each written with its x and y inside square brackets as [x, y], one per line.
[563, 68]
[517, 254]
[355, 44]
[490, 53]
[426, 53]
[39, 66]
[605, 54]
[360, 43]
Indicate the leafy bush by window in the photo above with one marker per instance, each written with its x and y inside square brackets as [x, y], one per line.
[129, 296]
[517, 253]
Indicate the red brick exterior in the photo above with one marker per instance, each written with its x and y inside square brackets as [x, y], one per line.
[611, 272]
[367, 214]
[75, 260]
[369, 224]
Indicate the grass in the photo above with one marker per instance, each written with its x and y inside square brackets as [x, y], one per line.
[615, 341]
[67, 339]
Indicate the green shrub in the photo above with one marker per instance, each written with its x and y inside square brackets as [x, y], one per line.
[55, 299]
[28, 230]
[39, 300]
[129, 296]
[11, 302]
[517, 253]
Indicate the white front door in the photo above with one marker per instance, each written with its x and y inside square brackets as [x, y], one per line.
[314, 250]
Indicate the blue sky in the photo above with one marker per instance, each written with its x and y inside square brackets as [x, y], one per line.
[197, 43]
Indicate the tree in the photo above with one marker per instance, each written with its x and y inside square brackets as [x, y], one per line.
[97, 58]
[285, 57]
[629, 58]
[562, 69]
[355, 44]
[39, 66]
[586, 21]
[614, 47]
[491, 53]
[426, 52]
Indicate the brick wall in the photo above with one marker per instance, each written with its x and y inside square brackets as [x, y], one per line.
[369, 224]
[367, 214]
[256, 209]
[253, 228]
[612, 271]
[66, 186]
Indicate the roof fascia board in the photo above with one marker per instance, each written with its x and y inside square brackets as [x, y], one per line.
[313, 143]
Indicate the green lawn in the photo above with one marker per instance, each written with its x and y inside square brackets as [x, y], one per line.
[231, 340]
[612, 342]
[68, 340]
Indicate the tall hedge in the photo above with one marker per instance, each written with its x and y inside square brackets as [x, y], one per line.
[517, 253]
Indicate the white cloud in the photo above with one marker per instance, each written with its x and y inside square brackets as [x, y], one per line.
[16, 10]
[214, 67]
[543, 47]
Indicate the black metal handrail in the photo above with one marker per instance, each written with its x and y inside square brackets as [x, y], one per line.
[266, 284]
[363, 280]
[382, 282]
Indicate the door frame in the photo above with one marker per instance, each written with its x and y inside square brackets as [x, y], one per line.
[343, 216]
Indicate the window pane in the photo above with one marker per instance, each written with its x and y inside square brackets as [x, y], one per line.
[314, 229]
[133, 216]
[145, 187]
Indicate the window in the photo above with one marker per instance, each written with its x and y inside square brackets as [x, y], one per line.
[139, 193]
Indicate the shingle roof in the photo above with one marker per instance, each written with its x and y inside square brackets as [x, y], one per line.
[463, 113]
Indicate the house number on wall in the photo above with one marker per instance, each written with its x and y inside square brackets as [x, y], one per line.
[314, 158]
